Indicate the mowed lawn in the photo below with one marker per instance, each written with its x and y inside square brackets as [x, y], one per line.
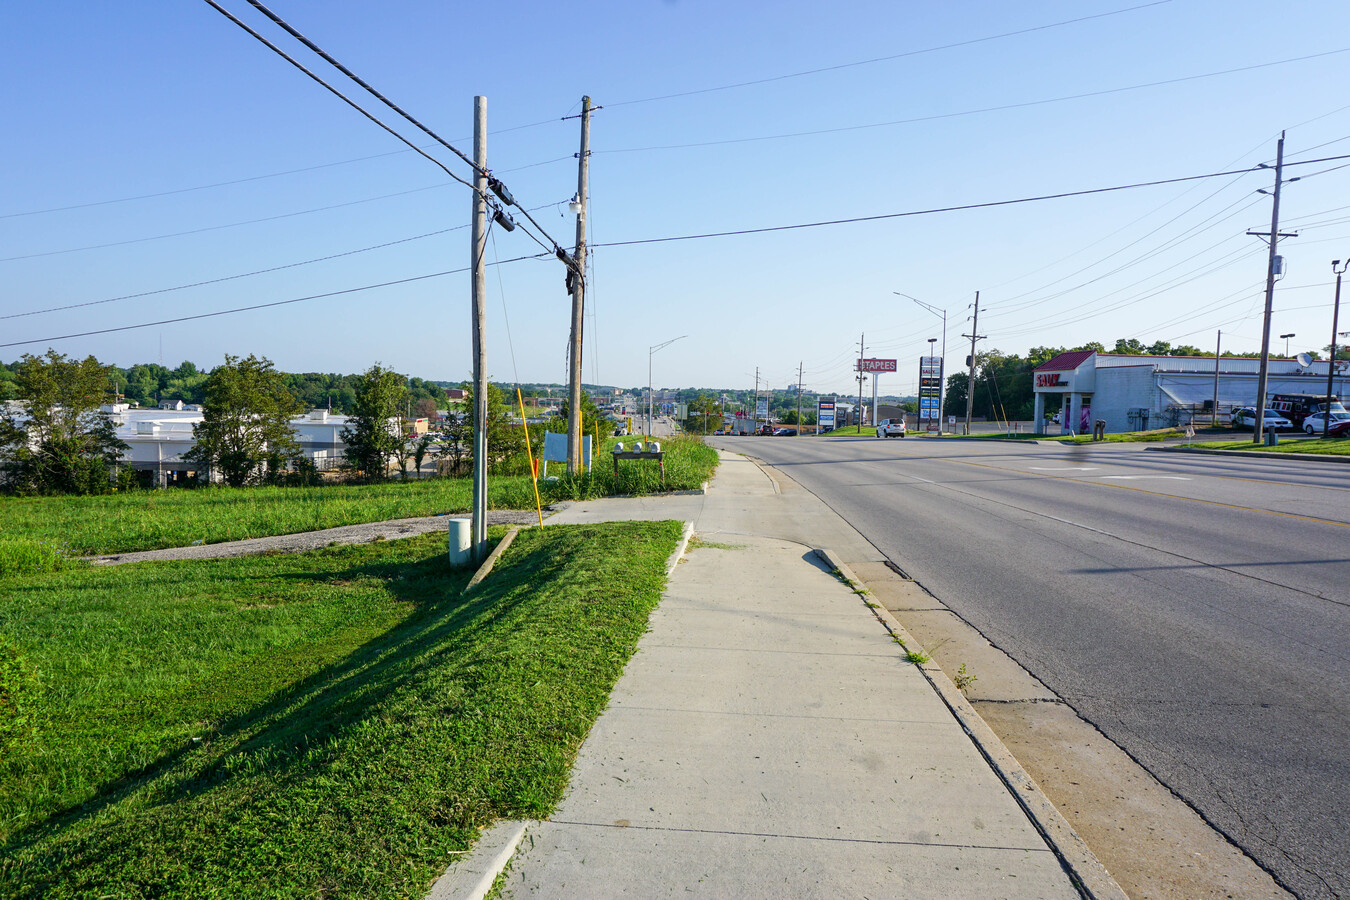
[332, 724]
[150, 520]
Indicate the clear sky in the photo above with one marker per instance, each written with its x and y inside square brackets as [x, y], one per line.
[155, 145]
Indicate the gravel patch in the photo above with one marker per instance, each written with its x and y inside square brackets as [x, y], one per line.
[313, 540]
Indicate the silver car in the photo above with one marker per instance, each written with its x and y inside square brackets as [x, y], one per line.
[891, 428]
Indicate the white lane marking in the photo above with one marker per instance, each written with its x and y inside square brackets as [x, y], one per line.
[1065, 469]
[1137, 477]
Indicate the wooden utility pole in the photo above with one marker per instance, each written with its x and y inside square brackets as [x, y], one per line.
[1274, 236]
[1214, 412]
[970, 378]
[862, 351]
[478, 291]
[799, 398]
[578, 283]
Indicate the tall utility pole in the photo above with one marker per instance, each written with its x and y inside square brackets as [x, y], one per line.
[1335, 323]
[970, 379]
[478, 282]
[755, 420]
[578, 283]
[1274, 236]
[799, 392]
[862, 351]
[1214, 411]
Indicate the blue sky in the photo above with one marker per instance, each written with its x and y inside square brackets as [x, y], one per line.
[156, 145]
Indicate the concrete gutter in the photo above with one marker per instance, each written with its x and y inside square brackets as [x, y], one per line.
[1091, 878]
[1303, 457]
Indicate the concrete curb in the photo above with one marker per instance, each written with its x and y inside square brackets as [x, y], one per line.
[486, 568]
[1301, 457]
[472, 876]
[1089, 876]
[678, 553]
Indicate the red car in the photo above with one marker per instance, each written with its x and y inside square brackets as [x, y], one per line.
[1339, 429]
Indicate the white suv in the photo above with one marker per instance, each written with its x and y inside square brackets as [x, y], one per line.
[891, 428]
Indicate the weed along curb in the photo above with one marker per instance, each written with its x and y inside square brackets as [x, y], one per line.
[472, 876]
[486, 568]
[682, 546]
[1089, 876]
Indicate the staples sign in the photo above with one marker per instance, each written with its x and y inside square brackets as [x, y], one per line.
[1051, 379]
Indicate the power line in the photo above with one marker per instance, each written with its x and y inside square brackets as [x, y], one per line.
[497, 187]
[341, 96]
[942, 209]
[160, 237]
[971, 112]
[908, 53]
[223, 278]
[257, 306]
[285, 26]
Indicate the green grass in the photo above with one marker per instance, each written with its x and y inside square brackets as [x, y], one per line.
[1320, 446]
[331, 724]
[853, 431]
[149, 520]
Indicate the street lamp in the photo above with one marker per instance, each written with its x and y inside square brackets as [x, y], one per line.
[650, 352]
[942, 370]
[1286, 343]
[1331, 363]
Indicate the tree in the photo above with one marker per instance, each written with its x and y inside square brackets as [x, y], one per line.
[245, 434]
[425, 408]
[503, 438]
[58, 440]
[705, 408]
[375, 433]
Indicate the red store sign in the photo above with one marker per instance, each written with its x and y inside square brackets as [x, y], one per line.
[1051, 379]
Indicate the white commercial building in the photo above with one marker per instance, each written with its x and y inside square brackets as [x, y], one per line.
[1134, 393]
[158, 439]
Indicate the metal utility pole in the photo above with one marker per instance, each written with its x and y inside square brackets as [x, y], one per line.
[578, 283]
[1214, 411]
[1331, 362]
[478, 282]
[799, 393]
[970, 378]
[1274, 236]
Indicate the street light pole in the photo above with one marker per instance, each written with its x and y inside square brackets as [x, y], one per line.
[651, 351]
[1286, 338]
[1331, 363]
[942, 369]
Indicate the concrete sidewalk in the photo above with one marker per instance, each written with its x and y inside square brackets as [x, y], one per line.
[770, 739]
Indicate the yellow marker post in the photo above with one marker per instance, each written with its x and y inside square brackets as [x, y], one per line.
[529, 453]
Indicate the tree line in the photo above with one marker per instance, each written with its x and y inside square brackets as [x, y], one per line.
[56, 436]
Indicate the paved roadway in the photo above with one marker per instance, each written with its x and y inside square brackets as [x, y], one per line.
[1196, 609]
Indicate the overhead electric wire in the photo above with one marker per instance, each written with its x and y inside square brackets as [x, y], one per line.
[257, 306]
[944, 209]
[341, 96]
[971, 112]
[238, 275]
[908, 53]
[174, 234]
[328, 58]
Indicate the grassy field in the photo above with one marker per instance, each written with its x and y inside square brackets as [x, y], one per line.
[332, 724]
[149, 520]
[1327, 447]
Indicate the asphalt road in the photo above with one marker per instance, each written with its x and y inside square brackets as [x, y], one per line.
[1196, 609]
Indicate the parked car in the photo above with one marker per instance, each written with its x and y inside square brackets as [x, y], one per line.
[783, 432]
[891, 428]
[1340, 429]
[1312, 423]
[1245, 417]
